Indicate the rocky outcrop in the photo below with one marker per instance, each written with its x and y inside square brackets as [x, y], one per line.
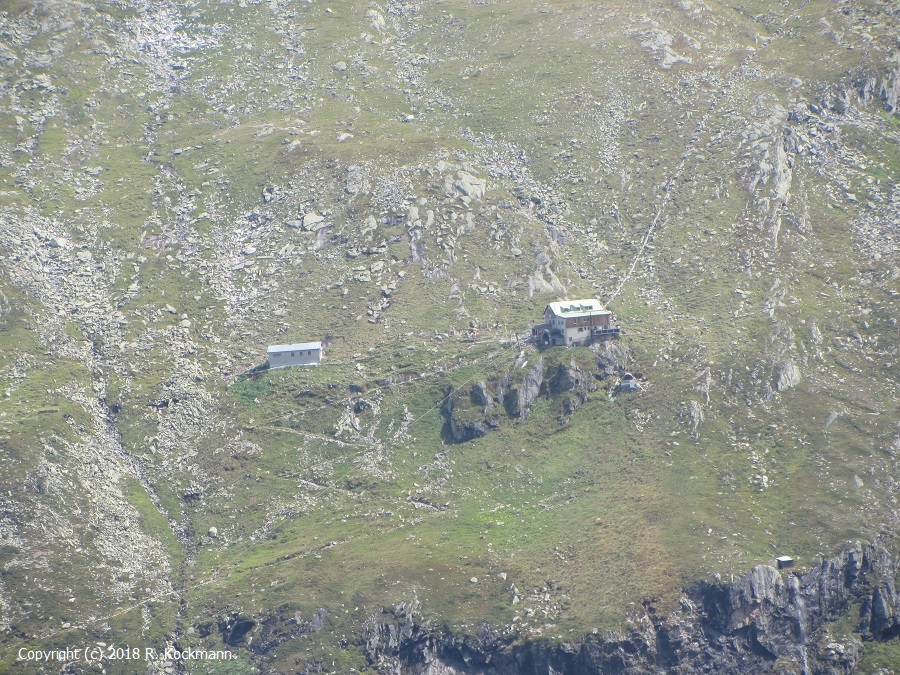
[467, 422]
[263, 634]
[879, 614]
[518, 400]
[466, 429]
[567, 381]
[283, 625]
[789, 376]
[481, 396]
[234, 628]
[762, 621]
[572, 384]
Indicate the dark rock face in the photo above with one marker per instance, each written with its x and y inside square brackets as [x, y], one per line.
[472, 426]
[611, 360]
[518, 400]
[467, 431]
[569, 377]
[234, 628]
[262, 634]
[761, 622]
[270, 631]
[481, 397]
[573, 385]
[879, 614]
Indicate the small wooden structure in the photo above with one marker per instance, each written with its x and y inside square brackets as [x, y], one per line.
[784, 562]
[573, 322]
[299, 354]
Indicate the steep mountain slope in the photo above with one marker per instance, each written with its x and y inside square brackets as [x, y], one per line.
[184, 184]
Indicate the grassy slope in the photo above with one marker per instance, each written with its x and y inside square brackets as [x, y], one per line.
[622, 503]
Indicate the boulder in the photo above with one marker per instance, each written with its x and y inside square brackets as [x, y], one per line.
[470, 185]
[310, 219]
[789, 376]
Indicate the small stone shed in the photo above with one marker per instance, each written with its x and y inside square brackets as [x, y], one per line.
[299, 354]
[628, 383]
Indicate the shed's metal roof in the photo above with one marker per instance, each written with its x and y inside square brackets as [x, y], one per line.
[577, 307]
[300, 346]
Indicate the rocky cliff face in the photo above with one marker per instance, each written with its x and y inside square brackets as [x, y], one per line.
[767, 619]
